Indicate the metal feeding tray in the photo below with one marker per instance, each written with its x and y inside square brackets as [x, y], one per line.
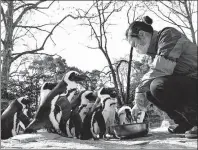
[131, 130]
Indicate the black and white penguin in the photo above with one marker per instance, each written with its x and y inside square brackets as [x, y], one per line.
[45, 116]
[108, 99]
[69, 93]
[46, 88]
[97, 122]
[93, 123]
[10, 116]
[125, 115]
[84, 102]
[24, 118]
[80, 107]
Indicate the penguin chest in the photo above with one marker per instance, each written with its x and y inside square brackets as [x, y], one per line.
[109, 111]
[14, 127]
[83, 113]
[52, 116]
[98, 126]
[124, 119]
[70, 129]
[84, 109]
[95, 128]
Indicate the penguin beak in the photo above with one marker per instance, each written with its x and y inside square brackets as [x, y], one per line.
[91, 97]
[26, 101]
[113, 92]
[78, 77]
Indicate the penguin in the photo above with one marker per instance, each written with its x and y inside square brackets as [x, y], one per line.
[80, 107]
[69, 93]
[94, 123]
[72, 127]
[85, 101]
[46, 88]
[125, 115]
[23, 120]
[98, 126]
[10, 116]
[45, 116]
[109, 106]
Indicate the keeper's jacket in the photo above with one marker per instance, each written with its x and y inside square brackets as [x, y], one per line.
[173, 54]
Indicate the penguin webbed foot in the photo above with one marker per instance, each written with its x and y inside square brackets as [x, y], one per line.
[106, 137]
[51, 130]
[109, 136]
[97, 137]
[59, 132]
[117, 137]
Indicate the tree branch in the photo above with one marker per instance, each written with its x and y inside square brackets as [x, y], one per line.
[180, 26]
[24, 5]
[25, 10]
[47, 6]
[103, 28]
[90, 46]
[21, 62]
[3, 15]
[45, 40]
[174, 10]
[33, 27]
[2, 41]
[128, 19]
[96, 36]
[100, 21]
[120, 62]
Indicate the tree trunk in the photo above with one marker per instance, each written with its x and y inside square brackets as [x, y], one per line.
[7, 51]
[5, 72]
[129, 77]
[121, 92]
[120, 102]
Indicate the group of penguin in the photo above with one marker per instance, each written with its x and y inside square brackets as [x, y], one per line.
[89, 115]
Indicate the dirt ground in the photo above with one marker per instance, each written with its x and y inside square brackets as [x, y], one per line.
[157, 138]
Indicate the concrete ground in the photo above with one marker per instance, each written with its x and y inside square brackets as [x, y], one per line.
[157, 138]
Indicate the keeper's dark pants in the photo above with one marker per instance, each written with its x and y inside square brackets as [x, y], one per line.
[177, 96]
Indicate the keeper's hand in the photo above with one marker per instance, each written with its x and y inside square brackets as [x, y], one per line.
[135, 111]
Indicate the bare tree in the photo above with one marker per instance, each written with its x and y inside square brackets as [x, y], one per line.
[15, 24]
[179, 13]
[103, 11]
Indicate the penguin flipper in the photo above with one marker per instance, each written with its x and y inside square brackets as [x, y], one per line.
[23, 118]
[101, 123]
[65, 107]
[86, 125]
[77, 122]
